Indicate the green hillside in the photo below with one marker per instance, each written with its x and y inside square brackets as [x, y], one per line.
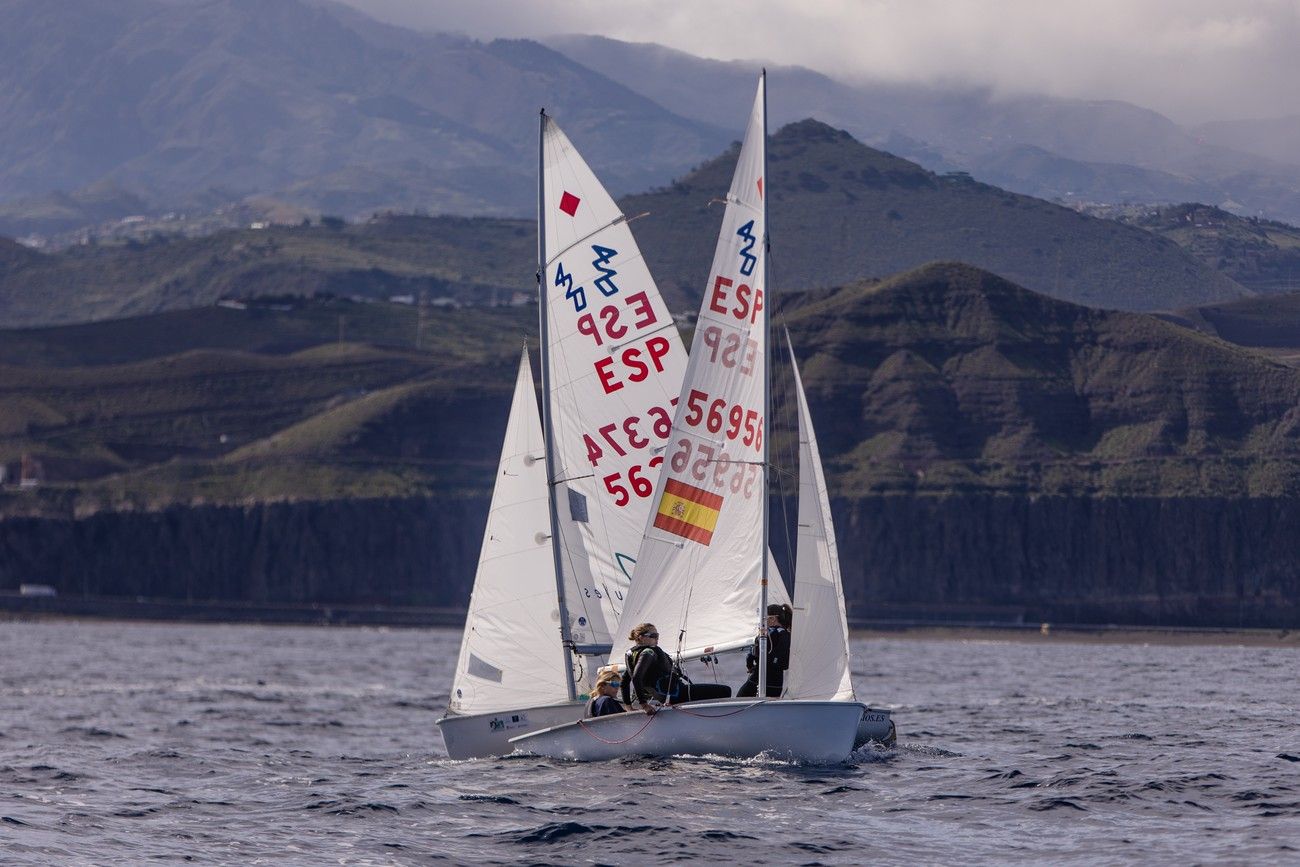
[479, 261]
[1262, 255]
[262, 403]
[1269, 323]
[946, 379]
[840, 212]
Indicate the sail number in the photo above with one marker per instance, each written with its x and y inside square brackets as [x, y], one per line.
[717, 415]
[661, 424]
[605, 324]
[709, 464]
[744, 303]
[641, 484]
[635, 363]
[730, 350]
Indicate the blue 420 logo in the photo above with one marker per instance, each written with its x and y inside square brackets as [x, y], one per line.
[605, 282]
[748, 259]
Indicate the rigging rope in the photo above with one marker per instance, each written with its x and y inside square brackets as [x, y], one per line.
[582, 724]
[718, 715]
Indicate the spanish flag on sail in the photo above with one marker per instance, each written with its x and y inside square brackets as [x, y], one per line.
[689, 512]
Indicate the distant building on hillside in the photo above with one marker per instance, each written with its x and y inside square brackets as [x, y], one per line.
[31, 472]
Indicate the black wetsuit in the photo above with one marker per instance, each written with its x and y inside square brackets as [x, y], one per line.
[651, 674]
[603, 705]
[778, 660]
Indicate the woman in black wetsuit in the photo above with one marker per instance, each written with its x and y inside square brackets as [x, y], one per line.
[650, 675]
[779, 619]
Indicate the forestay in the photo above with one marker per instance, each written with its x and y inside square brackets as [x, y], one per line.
[509, 655]
[700, 570]
[819, 639]
[616, 366]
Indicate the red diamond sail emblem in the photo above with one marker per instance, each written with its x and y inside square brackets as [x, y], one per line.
[569, 203]
[760, 188]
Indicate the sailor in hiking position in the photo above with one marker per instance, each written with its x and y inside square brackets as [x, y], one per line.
[779, 619]
[653, 678]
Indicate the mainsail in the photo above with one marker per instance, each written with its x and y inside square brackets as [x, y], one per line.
[509, 657]
[699, 573]
[819, 652]
[614, 367]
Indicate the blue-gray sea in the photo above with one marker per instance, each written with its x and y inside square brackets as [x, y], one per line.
[128, 743]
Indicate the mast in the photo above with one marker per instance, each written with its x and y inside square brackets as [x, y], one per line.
[566, 639]
[767, 418]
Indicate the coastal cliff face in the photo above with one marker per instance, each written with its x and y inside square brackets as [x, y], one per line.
[1190, 561]
[1142, 561]
[376, 551]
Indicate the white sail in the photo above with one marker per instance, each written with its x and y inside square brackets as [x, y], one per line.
[698, 578]
[819, 639]
[616, 364]
[510, 655]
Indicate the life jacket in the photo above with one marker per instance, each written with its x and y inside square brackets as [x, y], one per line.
[668, 684]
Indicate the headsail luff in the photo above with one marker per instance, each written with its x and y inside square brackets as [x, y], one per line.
[699, 571]
[616, 363]
[508, 655]
[819, 651]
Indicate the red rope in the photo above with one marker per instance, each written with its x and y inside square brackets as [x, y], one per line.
[582, 724]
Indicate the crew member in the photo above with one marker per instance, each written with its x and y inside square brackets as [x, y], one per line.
[779, 619]
[653, 679]
[604, 699]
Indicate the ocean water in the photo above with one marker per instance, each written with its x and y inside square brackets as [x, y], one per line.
[139, 743]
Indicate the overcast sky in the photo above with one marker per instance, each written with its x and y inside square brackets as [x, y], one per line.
[1192, 60]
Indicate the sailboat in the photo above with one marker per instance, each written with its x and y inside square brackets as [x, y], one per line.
[612, 366]
[703, 573]
[819, 646]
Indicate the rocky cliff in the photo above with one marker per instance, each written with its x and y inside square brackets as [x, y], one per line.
[1139, 560]
[374, 551]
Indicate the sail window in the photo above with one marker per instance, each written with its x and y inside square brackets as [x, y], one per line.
[485, 670]
[578, 507]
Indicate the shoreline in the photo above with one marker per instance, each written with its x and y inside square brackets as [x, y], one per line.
[1075, 633]
[19, 608]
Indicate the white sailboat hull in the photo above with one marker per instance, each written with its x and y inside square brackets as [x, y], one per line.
[876, 726]
[479, 736]
[813, 732]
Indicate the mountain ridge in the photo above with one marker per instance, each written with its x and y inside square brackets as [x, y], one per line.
[192, 106]
[841, 211]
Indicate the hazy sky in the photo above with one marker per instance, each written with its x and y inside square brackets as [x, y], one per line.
[1193, 60]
